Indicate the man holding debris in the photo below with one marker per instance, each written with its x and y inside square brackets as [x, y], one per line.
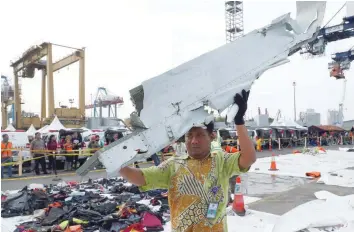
[198, 182]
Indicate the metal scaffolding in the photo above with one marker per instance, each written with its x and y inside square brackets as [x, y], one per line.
[233, 20]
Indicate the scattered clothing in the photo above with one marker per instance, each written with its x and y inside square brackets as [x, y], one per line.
[100, 205]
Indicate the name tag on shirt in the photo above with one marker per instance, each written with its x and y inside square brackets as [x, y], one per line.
[212, 208]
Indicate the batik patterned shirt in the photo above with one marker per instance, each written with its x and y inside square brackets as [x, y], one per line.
[192, 185]
[215, 146]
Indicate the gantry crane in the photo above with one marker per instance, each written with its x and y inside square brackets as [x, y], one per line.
[326, 35]
[31, 60]
[105, 99]
[341, 62]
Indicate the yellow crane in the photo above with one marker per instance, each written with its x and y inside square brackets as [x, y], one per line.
[32, 60]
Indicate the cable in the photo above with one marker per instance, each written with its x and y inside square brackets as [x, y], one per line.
[59, 45]
[334, 15]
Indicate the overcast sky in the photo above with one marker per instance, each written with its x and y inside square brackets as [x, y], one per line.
[128, 42]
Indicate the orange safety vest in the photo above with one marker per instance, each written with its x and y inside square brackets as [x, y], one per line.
[230, 149]
[68, 146]
[6, 154]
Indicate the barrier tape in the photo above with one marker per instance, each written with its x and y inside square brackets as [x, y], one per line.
[290, 142]
[65, 154]
[45, 155]
[51, 151]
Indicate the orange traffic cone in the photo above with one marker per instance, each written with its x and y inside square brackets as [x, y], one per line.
[273, 164]
[238, 206]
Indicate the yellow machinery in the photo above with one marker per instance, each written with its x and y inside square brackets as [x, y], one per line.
[7, 96]
[25, 67]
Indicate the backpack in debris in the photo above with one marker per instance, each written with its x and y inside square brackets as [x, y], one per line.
[133, 189]
[85, 214]
[104, 208]
[16, 205]
[151, 222]
[54, 216]
[29, 226]
[39, 199]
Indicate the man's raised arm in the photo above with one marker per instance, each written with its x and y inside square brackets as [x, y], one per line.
[248, 153]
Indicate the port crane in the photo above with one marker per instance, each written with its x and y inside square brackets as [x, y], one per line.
[344, 30]
[341, 62]
[105, 99]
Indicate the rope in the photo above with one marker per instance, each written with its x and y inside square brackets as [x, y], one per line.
[334, 15]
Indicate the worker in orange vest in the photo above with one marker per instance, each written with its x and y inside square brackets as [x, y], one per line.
[6, 155]
[230, 149]
[232, 181]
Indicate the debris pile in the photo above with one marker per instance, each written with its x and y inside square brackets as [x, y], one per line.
[102, 205]
[312, 151]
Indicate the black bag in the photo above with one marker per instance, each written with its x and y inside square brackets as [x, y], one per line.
[17, 205]
[39, 200]
[53, 217]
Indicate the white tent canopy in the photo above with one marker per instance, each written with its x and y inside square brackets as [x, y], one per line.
[31, 131]
[10, 127]
[54, 126]
[86, 131]
[41, 129]
[287, 123]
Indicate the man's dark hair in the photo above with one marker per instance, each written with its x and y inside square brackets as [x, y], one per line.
[37, 133]
[210, 127]
[4, 135]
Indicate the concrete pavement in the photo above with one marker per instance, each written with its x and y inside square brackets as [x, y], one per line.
[20, 182]
[267, 153]
[280, 202]
[283, 202]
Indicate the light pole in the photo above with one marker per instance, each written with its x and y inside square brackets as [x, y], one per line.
[294, 84]
[71, 101]
[91, 105]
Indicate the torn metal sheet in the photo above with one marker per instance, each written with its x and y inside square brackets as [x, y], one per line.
[170, 104]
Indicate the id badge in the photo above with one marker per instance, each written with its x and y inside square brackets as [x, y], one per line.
[212, 208]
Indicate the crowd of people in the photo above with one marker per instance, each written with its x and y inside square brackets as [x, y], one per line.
[68, 145]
